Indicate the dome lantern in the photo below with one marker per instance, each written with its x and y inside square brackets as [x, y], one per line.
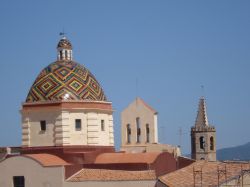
[64, 49]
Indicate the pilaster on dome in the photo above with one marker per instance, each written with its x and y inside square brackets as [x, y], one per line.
[64, 49]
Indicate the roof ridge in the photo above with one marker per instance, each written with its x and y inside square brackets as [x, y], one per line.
[45, 161]
[111, 175]
[147, 105]
[72, 176]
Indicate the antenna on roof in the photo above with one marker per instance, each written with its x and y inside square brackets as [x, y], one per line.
[180, 136]
[136, 87]
[202, 91]
[136, 90]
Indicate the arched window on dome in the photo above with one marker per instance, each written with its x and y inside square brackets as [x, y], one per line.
[128, 133]
[138, 130]
[147, 133]
[66, 54]
[70, 54]
[60, 55]
[202, 142]
[211, 143]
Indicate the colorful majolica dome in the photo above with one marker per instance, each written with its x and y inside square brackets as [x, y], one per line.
[65, 80]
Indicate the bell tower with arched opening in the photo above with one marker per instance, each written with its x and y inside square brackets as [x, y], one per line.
[203, 138]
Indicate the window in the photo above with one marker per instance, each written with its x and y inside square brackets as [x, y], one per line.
[70, 55]
[128, 133]
[18, 181]
[147, 133]
[102, 125]
[43, 125]
[66, 54]
[61, 55]
[138, 137]
[211, 143]
[202, 142]
[78, 124]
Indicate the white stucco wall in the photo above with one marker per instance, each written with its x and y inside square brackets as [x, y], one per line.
[32, 134]
[61, 130]
[33, 172]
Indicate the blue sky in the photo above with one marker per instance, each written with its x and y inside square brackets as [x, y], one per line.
[170, 47]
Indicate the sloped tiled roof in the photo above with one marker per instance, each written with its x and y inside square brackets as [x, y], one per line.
[47, 160]
[207, 170]
[116, 158]
[111, 175]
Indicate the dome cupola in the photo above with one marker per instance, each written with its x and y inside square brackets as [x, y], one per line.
[65, 79]
[64, 49]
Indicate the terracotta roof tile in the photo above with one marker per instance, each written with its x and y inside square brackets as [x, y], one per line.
[185, 176]
[111, 175]
[47, 160]
[116, 158]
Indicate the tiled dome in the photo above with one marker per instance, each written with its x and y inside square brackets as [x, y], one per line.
[65, 80]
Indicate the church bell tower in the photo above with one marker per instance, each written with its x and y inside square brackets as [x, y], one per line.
[203, 138]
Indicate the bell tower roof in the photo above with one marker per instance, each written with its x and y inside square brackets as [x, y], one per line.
[202, 119]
